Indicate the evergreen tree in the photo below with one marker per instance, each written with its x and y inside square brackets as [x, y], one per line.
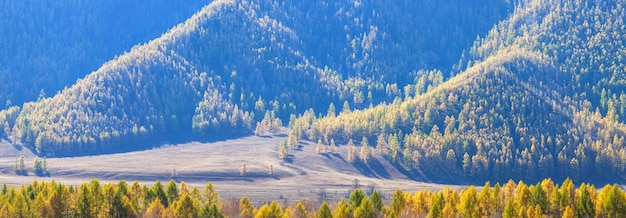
[509, 209]
[300, 211]
[468, 206]
[351, 150]
[436, 206]
[342, 209]
[157, 190]
[269, 211]
[539, 197]
[320, 147]
[377, 200]
[366, 209]
[365, 153]
[397, 202]
[324, 211]
[210, 195]
[283, 151]
[83, 204]
[211, 211]
[585, 206]
[156, 209]
[245, 207]
[355, 199]
[171, 191]
[186, 207]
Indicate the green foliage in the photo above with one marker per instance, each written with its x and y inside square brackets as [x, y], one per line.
[171, 191]
[269, 211]
[539, 197]
[585, 206]
[211, 211]
[355, 200]
[158, 192]
[324, 211]
[397, 202]
[186, 207]
[469, 203]
[342, 209]
[366, 209]
[41, 199]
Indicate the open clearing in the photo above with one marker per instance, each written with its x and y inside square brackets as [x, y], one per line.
[305, 175]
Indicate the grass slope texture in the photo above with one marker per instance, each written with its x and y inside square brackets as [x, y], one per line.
[47, 45]
[542, 96]
[235, 61]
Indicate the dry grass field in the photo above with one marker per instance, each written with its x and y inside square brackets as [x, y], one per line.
[305, 175]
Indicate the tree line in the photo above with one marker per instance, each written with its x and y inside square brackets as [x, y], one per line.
[511, 199]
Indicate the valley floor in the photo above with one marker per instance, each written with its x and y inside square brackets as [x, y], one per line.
[305, 174]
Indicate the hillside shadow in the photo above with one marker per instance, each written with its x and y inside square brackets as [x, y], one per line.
[373, 168]
[152, 142]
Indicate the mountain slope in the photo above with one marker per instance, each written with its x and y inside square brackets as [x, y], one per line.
[156, 88]
[49, 44]
[223, 69]
[524, 108]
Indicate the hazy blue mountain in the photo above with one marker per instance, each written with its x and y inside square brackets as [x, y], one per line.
[47, 45]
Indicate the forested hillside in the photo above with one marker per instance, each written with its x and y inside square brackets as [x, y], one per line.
[539, 96]
[47, 45]
[236, 63]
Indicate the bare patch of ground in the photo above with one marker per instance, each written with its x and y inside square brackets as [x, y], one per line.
[305, 174]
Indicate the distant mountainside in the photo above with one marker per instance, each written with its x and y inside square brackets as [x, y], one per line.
[539, 95]
[542, 95]
[235, 63]
[47, 45]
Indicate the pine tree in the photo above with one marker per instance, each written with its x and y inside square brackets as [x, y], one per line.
[212, 211]
[351, 150]
[320, 147]
[377, 200]
[355, 199]
[331, 110]
[568, 213]
[365, 153]
[83, 204]
[397, 202]
[7, 210]
[333, 146]
[341, 210]
[436, 206]
[300, 211]
[381, 144]
[269, 211]
[394, 147]
[448, 211]
[584, 205]
[171, 191]
[509, 209]
[469, 203]
[539, 197]
[283, 150]
[210, 195]
[158, 191]
[324, 211]
[245, 207]
[185, 207]
[366, 209]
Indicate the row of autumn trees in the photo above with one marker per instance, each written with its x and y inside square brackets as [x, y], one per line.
[52, 199]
